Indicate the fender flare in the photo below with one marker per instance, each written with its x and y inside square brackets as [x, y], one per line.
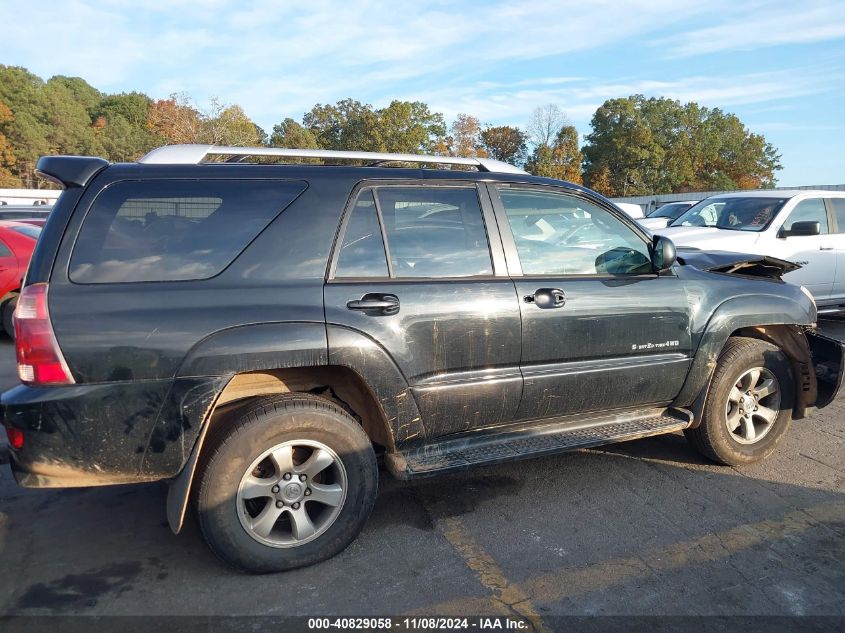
[293, 345]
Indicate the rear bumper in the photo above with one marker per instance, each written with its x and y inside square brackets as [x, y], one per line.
[106, 433]
[80, 435]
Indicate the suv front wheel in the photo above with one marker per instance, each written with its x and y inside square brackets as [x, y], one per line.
[291, 483]
[749, 405]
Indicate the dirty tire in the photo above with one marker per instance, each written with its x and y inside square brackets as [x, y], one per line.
[712, 437]
[7, 311]
[258, 428]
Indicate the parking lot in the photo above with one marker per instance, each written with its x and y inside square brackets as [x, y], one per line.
[646, 527]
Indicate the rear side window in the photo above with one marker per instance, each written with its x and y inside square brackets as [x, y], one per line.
[362, 251]
[434, 231]
[838, 207]
[174, 230]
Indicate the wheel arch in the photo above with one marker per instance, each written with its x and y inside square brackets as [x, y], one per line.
[776, 319]
[335, 383]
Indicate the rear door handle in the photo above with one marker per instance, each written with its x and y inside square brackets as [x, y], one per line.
[547, 298]
[375, 303]
[826, 248]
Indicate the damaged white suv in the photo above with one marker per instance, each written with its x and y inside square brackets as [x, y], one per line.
[806, 227]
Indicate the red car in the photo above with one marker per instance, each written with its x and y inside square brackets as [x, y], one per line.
[17, 241]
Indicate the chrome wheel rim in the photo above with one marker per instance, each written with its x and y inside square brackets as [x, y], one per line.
[753, 405]
[292, 493]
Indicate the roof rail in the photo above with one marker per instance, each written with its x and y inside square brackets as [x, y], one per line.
[196, 154]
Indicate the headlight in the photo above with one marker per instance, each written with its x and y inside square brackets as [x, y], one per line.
[809, 296]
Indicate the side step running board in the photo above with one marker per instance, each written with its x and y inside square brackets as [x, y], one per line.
[492, 447]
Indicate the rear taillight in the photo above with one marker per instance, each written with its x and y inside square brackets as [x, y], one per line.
[15, 438]
[40, 360]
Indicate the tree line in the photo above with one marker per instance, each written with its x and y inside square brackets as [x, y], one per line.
[636, 145]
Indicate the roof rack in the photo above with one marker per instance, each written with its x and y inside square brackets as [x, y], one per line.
[196, 154]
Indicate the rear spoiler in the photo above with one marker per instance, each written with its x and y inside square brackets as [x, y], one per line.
[69, 171]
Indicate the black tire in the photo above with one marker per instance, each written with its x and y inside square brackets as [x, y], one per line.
[712, 438]
[7, 311]
[269, 423]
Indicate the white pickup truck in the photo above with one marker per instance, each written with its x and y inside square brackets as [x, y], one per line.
[806, 227]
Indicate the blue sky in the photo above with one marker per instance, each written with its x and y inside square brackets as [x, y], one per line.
[780, 66]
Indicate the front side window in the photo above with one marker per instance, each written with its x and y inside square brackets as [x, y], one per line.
[174, 230]
[734, 213]
[812, 210]
[560, 234]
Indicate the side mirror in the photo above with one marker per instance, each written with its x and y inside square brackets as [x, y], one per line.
[662, 253]
[807, 227]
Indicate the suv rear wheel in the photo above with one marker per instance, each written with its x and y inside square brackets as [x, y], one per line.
[749, 406]
[291, 483]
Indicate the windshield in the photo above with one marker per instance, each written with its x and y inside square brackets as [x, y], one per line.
[671, 210]
[29, 231]
[733, 214]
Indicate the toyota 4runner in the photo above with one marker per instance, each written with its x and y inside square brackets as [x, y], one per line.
[258, 333]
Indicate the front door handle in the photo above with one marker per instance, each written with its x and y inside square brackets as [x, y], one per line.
[375, 303]
[826, 248]
[547, 298]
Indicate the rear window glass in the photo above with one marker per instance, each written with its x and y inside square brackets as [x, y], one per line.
[172, 230]
[29, 231]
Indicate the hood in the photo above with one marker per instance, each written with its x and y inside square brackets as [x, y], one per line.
[654, 223]
[710, 239]
[735, 263]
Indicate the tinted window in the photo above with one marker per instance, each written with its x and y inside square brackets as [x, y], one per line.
[734, 214]
[362, 251]
[434, 231]
[838, 207]
[558, 234]
[812, 210]
[5, 251]
[166, 230]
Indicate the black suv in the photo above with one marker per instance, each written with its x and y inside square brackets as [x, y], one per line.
[258, 333]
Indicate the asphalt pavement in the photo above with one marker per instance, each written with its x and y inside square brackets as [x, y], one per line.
[642, 528]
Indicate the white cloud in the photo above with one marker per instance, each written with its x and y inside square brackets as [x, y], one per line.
[785, 126]
[762, 25]
[304, 53]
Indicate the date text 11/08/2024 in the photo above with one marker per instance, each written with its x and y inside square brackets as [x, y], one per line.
[419, 623]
